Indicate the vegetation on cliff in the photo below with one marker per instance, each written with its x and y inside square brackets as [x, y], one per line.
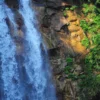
[89, 79]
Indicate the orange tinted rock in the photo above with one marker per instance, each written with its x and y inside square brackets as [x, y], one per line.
[81, 34]
[79, 48]
[73, 28]
[78, 36]
[75, 44]
[75, 23]
[69, 13]
[75, 37]
[64, 20]
[65, 4]
[72, 18]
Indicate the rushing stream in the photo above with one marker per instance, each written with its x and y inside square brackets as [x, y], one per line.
[29, 77]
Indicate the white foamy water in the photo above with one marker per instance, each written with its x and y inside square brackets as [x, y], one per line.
[9, 72]
[25, 76]
[33, 57]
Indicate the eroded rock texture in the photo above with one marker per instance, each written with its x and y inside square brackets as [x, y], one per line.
[62, 36]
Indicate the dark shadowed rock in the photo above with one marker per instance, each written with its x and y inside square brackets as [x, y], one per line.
[12, 3]
[39, 2]
[46, 21]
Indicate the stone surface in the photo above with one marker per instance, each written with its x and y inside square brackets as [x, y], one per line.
[58, 21]
[63, 40]
[12, 3]
[62, 36]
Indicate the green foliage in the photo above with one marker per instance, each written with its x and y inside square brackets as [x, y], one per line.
[93, 25]
[69, 65]
[69, 69]
[88, 8]
[73, 8]
[96, 39]
[89, 80]
[84, 25]
[97, 2]
[64, 12]
[90, 83]
[69, 60]
[85, 42]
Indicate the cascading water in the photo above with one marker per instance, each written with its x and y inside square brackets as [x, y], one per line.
[35, 83]
[34, 63]
[9, 72]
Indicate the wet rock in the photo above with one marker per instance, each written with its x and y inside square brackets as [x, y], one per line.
[19, 20]
[53, 52]
[51, 11]
[19, 49]
[46, 21]
[12, 3]
[54, 3]
[58, 21]
[40, 13]
[38, 1]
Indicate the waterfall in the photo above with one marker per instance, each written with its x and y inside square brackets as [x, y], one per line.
[34, 62]
[32, 79]
[8, 66]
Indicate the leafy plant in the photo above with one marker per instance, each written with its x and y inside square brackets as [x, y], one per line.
[66, 9]
[89, 79]
[84, 25]
[85, 42]
[73, 8]
[65, 12]
[88, 8]
[90, 83]
[69, 70]
[69, 60]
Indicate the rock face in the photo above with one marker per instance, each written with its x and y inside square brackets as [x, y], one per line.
[61, 40]
[76, 34]
[58, 30]
[12, 3]
[62, 35]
